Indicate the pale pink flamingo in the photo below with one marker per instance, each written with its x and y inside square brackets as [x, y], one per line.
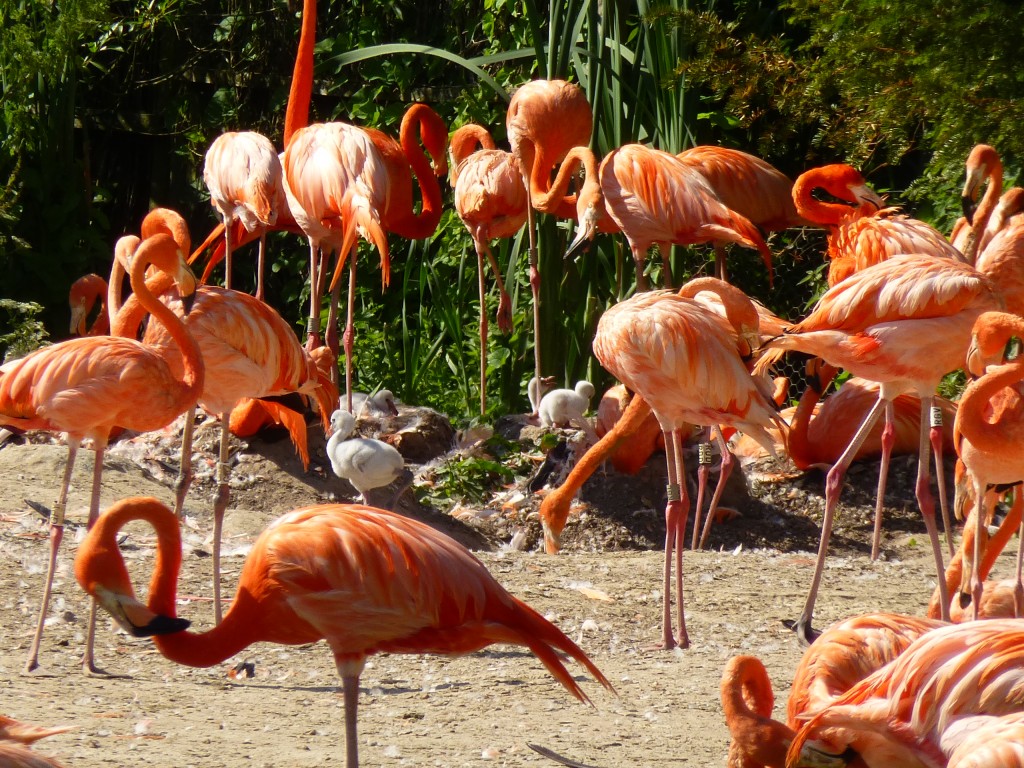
[492, 202]
[687, 363]
[880, 324]
[243, 173]
[89, 386]
[365, 580]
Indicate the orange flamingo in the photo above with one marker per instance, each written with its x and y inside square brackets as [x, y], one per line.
[846, 653]
[1010, 204]
[982, 165]
[919, 709]
[544, 121]
[491, 201]
[82, 297]
[880, 324]
[861, 232]
[655, 198]
[687, 363]
[248, 350]
[124, 251]
[748, 185]
[243, 173]
[365, 580]
[989, 428]
[86, 387]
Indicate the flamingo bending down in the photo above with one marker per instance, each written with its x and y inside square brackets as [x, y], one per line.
[545, 120]
[918, 711]
[846, 653]
[989, 428]
[87, 387]
[747, 185]
[655, 198]
[82, 297]
[879, 324]
[492, 202]
[687, 363]
[365, 580]
[633, 450]
[244, 176]
[861, 232]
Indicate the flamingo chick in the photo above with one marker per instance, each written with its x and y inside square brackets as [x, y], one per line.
[366, 463]
[363, 579]
[566, 407]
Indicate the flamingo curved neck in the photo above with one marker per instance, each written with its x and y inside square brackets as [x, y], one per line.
[817, 211]
[985, 434]
[301, 91]
[799, 444]
[191, 357]
[421, 122]
[762, 740]
[468, 139]
[555, 508]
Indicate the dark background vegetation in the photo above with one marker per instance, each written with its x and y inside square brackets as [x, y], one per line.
[108, 107]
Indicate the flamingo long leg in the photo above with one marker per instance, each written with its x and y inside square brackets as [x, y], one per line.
[535, 289]
[220, 505]
[888, 439]
[315, 292]
[260, 263]
[927, 504]
[227, 252]
[675, 512]
[703, 470]
[88, 657]
[483, 328]
[56, 535]
[935, 436]
[728, 462]
[185, 465]
[833, 485]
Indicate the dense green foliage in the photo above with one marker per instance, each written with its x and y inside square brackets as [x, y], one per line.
[109, 105]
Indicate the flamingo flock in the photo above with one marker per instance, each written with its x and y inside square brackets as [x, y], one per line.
[905, 307]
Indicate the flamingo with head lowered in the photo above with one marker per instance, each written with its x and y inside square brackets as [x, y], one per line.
[365, 580]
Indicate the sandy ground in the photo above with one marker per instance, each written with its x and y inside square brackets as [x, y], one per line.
[478, 710]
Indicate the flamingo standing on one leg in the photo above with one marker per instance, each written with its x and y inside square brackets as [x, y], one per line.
[364, 580]
[338, 180]
[861, 231]
[655, 198]
[686, 362]
[491, 201]
[248, 350]
[748, 185]
[989, 427]
[86, 387]
[545, 119]
[880, 324]
[243, 173]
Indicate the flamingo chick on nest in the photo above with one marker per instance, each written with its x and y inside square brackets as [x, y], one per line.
[366, 463]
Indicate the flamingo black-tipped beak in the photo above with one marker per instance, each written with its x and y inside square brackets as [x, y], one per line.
[579, 244]
[969, 206]
[161, 625]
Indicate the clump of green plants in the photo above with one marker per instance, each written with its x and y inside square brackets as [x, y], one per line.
[475, 478]
[21, 329]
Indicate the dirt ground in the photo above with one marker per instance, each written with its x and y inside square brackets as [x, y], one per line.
[603, 590]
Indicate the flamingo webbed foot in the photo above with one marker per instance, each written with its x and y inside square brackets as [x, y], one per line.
[805, 633]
